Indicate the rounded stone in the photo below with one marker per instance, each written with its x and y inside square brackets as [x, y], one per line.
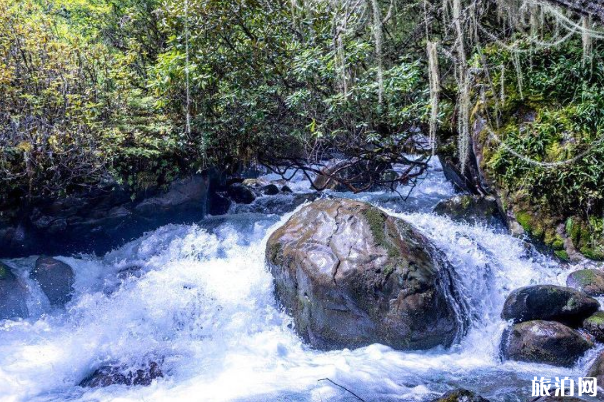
[55, 278]
[590, 281]
[546, 342]
[352, 275]
[549, 302]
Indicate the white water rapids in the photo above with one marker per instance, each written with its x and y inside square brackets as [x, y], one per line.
[202, 305]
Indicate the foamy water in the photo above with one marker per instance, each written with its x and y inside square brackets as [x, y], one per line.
[200, 302]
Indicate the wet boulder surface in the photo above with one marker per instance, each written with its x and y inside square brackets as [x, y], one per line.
[123, 375]
[549, 302]
[352, 275]
[13, 295]
[240, 193]
[546, 342]
[589, 281]
[55, 278]
[471, 209]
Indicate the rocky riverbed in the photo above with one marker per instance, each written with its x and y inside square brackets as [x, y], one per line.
[243, 307]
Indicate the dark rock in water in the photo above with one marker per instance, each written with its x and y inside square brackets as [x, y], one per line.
[470, 208]
[594, 325]
[99, 219]
[55, 278]
[590, 281]
[351, 276]
[547, 342]
[13, 295]
[469, 181]
[286, 189]
[218, 204]
[241, 194]
[183, 195]
[549, 302]
[460, 395]
[269, 189]
[597, 370]
[122, 375]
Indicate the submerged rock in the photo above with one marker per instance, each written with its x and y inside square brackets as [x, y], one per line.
[549, 302]
[460, 395]
[546, 342]
[13, 295]
[597, 370]
[122, 375]
[470, 208]
[55, 278]
[594, 325]
[351, 276]
[590, 281]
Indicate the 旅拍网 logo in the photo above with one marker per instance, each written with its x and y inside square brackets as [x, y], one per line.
[585, 386]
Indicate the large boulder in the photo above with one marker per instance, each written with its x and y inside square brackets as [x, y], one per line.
[470, 208]
[590, 281]
[594, 325]
[460, 395]
[549, 302]
[351, 276]
[13, 295]
[546, 342]
[55, 278]
[122, 375]
[597, 370]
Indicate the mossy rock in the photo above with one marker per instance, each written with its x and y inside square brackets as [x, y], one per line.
[587, 236]
[590, 281]
[597, 370]
[595, 325]
[471, 209]
[549, 302]
[351, 275]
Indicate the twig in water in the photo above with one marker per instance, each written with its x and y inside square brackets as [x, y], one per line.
[342, 387]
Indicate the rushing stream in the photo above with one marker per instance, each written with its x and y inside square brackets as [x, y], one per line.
[199, 300]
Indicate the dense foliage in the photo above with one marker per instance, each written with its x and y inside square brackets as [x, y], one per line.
[96, 90]
[557, 126]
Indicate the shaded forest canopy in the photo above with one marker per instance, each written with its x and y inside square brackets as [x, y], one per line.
[100, 91]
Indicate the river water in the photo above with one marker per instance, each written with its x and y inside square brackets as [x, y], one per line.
[198, 300]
